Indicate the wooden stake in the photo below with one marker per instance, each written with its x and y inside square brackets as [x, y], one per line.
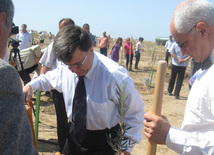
[158, 98]
[29, 114]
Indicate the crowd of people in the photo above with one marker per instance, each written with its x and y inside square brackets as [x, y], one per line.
[84, 83]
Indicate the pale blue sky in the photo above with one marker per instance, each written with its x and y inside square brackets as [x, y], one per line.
[119, 18]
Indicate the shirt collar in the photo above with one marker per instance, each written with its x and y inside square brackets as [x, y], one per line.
[208, 62]
[91, 71]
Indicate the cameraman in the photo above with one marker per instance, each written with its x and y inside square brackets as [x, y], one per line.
[15, 133]
[30, 59]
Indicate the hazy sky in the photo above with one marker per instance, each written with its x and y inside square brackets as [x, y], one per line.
[119, 18]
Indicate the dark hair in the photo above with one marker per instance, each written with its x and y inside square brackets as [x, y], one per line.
[141, 39]
[86, 24]
[24, 25]
[7, 7]
[69, 19]
[68, 39]
[118, 39]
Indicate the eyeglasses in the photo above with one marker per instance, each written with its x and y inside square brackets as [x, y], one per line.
[183, 45]
[77, 65]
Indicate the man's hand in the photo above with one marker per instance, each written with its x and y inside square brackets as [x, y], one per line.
[181, 61]
[156, 128]
[28, 91]
[12, 63]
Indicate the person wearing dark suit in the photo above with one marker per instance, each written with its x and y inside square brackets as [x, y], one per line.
[15, 131]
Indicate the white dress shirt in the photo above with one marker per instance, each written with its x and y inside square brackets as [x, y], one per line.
[26, 39]
[100, 83]
[176, 50]
[196, 136]
[169, 44]
[48, 59]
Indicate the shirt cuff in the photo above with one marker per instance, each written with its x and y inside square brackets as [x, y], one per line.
[34, 84]
[176, 139]
[130, 145]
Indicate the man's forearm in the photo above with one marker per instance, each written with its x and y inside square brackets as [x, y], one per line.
[44, 69]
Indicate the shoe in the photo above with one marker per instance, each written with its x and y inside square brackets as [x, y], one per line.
[130, 69]
[170, 94]
[136, 68]
[176, 97]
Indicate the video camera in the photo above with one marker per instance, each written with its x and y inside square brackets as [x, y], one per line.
[14, 29]
[14, 42]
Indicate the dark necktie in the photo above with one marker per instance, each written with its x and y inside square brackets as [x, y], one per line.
[79, 111]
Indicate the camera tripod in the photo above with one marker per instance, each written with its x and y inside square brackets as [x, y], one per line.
[14, 52]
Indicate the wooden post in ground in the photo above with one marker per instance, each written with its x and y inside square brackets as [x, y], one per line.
[29, 114]
[158, 98]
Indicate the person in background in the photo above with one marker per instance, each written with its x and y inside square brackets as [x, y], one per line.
[91, 108]
[192, 27]
[168, 46]
[129, 53]
[25, 37]
[109, 41]
[179, 64]
[32, 33]
[87, 28]
[30, 59]
[95, 41]
[139, 51]
[15, 133]
[50, 37]
[49, 62]
[41, 38]
[115, 50]
[103, 44]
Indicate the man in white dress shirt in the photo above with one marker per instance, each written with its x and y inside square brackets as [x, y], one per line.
[25, 37]
[192, 26]
[49, 62]
[168, 46]
[73, 46]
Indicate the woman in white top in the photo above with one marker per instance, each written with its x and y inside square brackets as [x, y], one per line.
[138, 51]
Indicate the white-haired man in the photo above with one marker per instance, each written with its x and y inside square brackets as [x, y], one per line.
[192, 26]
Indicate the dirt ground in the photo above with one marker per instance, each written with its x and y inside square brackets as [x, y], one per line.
[172, 108]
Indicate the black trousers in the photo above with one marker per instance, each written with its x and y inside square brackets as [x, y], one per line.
[103, 51]
[167, 57]
[62, 120]
[180, 71]
[127, 60]
[95, 144]
[137, 56]
[25, 74]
